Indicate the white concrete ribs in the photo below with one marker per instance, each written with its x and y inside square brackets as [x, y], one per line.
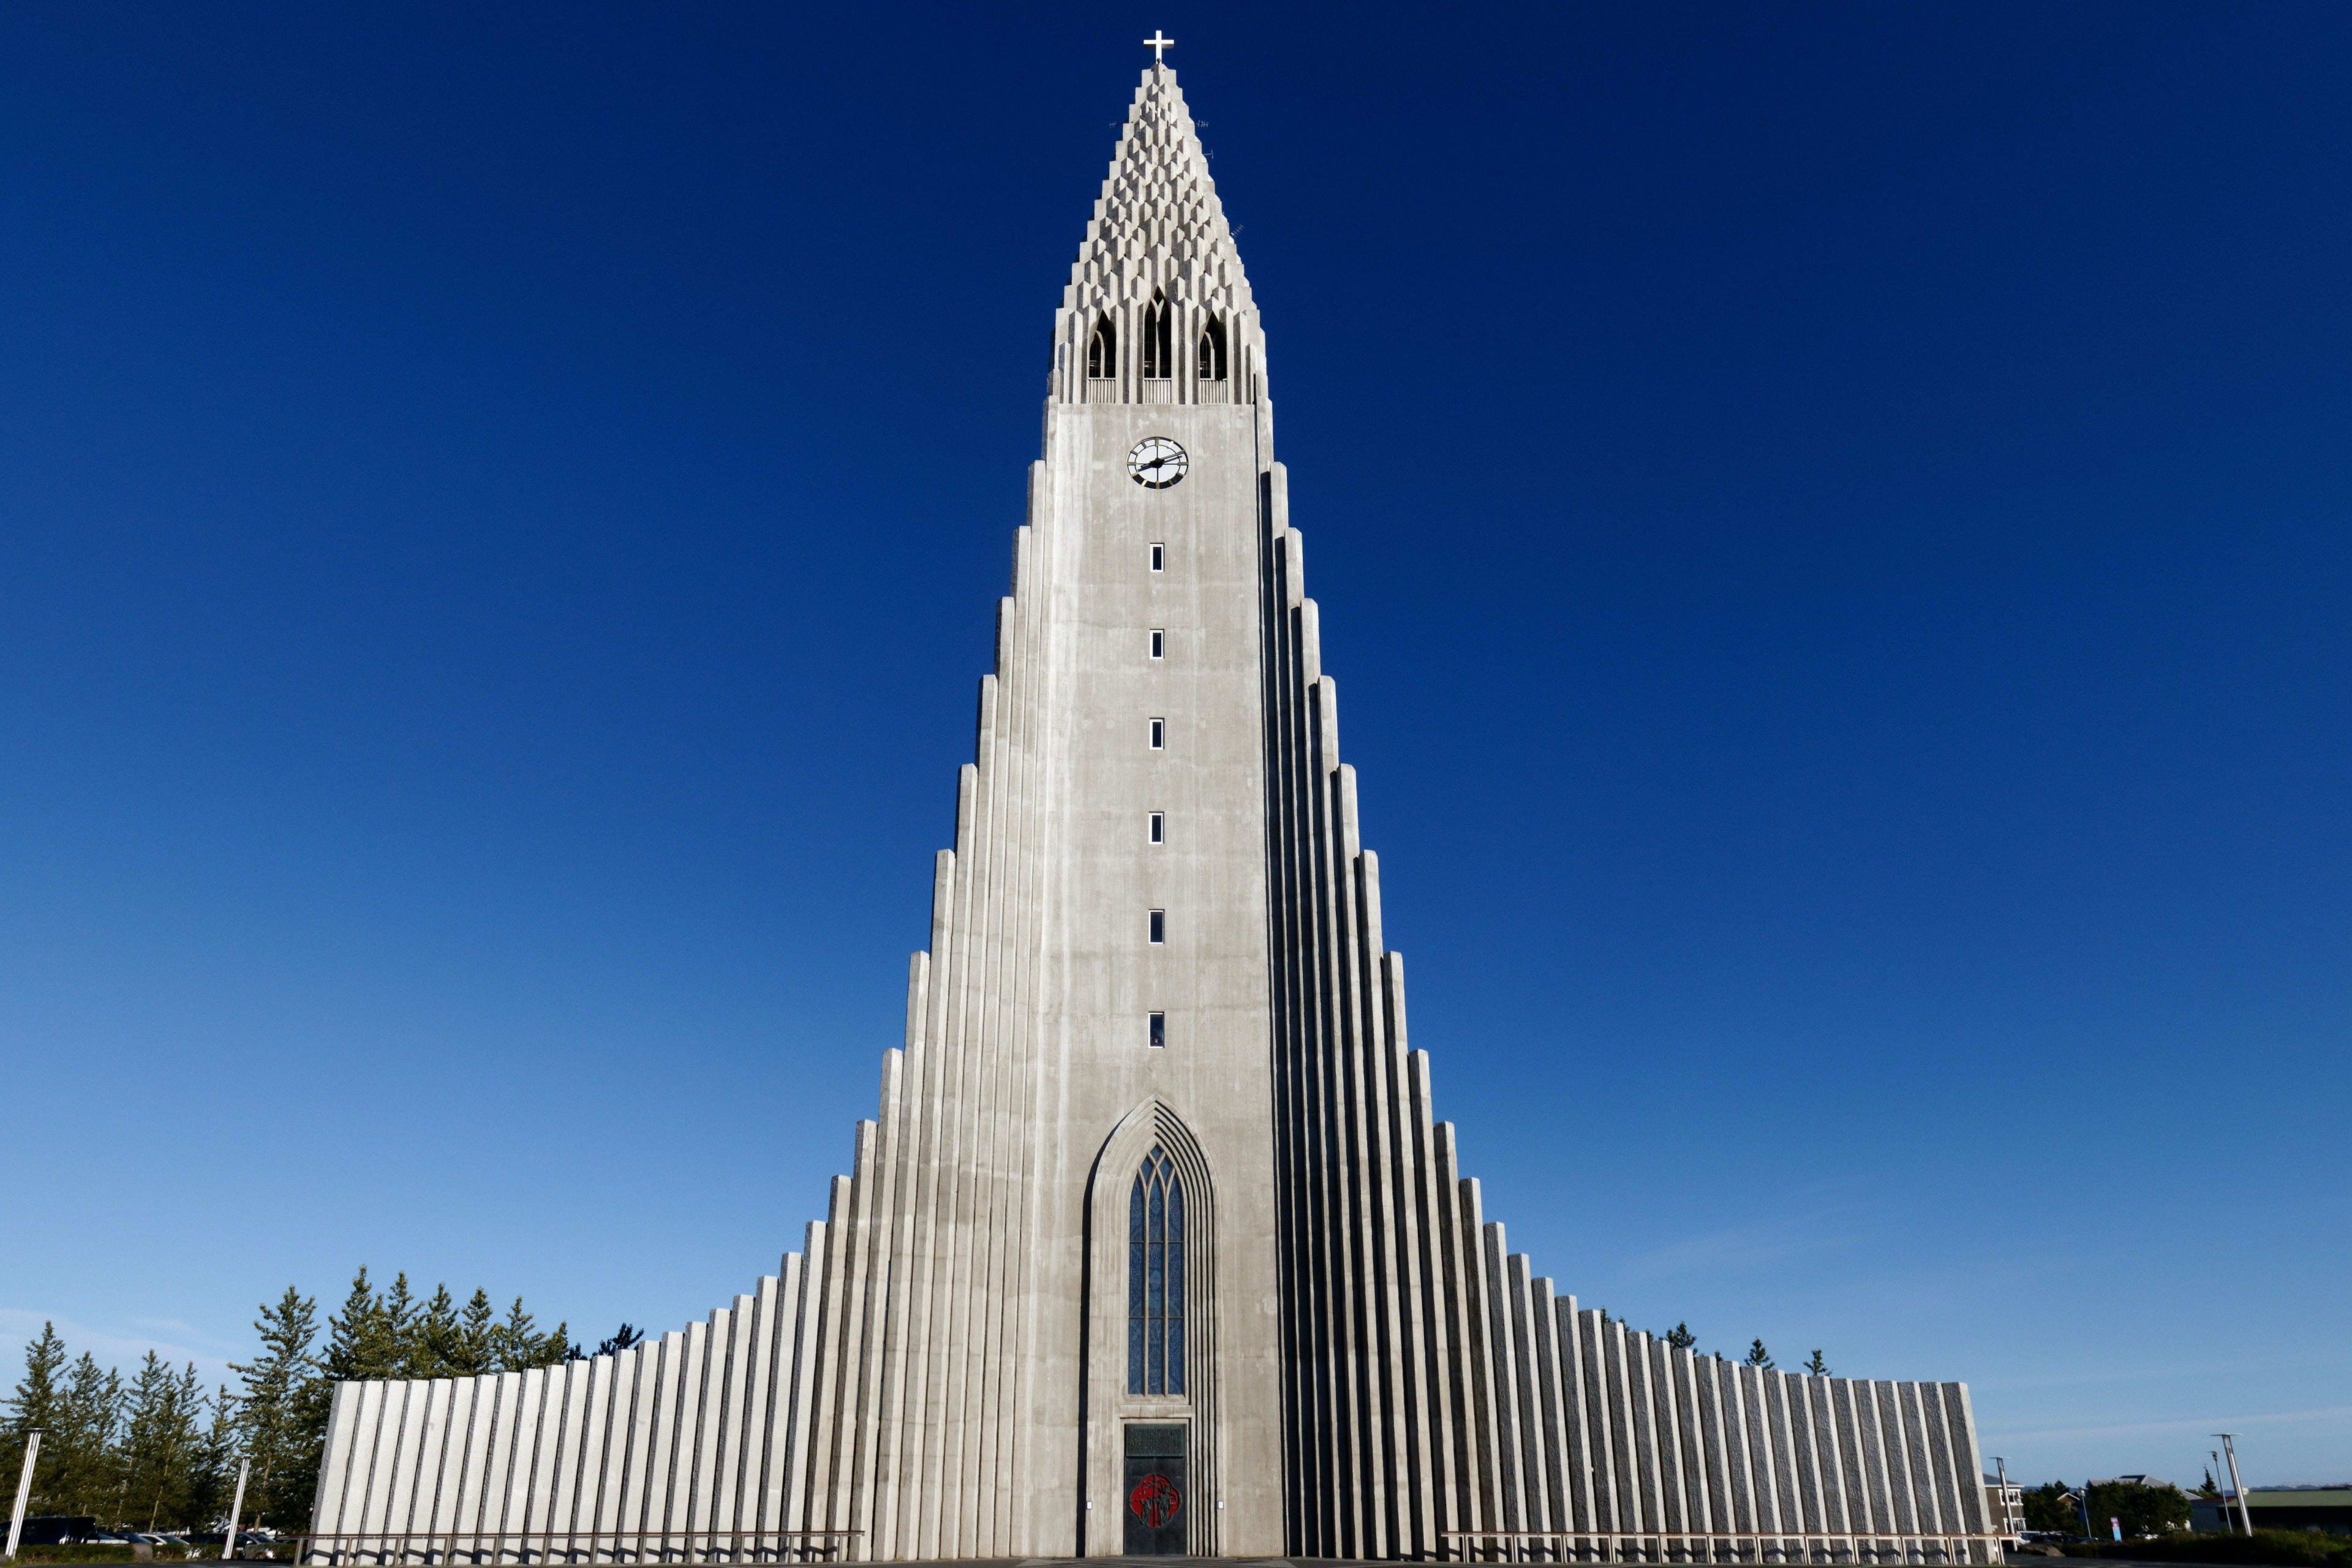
[1438, 1396]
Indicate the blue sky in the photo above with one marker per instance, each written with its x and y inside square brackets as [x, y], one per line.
[1830, 529]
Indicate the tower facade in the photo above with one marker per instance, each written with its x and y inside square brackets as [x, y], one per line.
[1155, 1244]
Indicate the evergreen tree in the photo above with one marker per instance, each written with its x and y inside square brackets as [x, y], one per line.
[433, 1347]
[477, 1331]
[1817, 1367]
[1758, 1357]
[273, 1415]
[362, 1345]
[89, 1417]
[399, 1320]
[212, 1477]
[363, 1342]
[516, 1345]
[1681, 1337]
[626, 1339]
[37, 1404]
[161, 1441]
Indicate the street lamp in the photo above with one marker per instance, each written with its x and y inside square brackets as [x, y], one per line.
[2237, 1486]
[24, 1490]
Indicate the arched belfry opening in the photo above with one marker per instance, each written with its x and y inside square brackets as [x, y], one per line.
[1159, 339]
[1211, 353]
[1102, 351]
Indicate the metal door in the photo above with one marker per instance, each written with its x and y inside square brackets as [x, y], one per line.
[1154, 1497]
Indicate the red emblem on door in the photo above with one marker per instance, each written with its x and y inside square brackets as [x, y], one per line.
[1155, 1500]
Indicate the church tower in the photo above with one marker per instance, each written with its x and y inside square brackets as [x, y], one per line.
[1155, 1245]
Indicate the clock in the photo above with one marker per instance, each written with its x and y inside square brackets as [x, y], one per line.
[1156, 462]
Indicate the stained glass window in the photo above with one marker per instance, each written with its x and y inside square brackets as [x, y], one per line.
[1155, 1279]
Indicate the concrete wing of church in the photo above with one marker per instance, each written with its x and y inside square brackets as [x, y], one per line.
[1156, 1245]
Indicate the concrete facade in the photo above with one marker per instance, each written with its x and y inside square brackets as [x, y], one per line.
[1156, 840]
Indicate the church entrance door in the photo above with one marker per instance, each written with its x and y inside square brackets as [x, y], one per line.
[1155, 1498]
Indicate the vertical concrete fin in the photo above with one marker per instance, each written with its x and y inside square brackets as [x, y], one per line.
[919, 975]
[1351, 846]
[1368, 873]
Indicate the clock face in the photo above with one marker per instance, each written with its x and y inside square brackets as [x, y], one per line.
[1156, 463]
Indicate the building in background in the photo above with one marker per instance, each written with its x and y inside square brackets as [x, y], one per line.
[2327, 1509]
[2005, 1508]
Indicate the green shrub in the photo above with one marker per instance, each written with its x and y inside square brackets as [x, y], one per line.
[2277, 1548]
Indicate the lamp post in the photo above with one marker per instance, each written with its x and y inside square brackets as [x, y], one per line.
[24, 1490]
[2245, 1517]
[2001, 1469]
[228, 1544]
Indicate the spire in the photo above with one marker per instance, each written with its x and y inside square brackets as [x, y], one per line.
[1158, 234]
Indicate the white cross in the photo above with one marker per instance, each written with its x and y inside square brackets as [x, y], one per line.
[1158, 45]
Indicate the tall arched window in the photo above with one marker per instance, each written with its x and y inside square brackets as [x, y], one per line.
[1213, 351]
[1155, 1279]
[1102, 351]
[1159, 339]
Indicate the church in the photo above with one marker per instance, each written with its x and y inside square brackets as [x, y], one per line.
[1155, 1245]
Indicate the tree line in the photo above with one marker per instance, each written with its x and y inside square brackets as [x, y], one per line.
[2138, 1507]
[160, 1451]
[1681, 1338]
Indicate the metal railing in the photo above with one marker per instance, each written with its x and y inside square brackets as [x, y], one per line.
[1715, 1546]
[488, 1547]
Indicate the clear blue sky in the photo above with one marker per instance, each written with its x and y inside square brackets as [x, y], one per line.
[1832, 528]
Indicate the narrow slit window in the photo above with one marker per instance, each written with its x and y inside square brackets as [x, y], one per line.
[1159, 558]
[1159, 733]
[1157, 818]
[1158, 643]
[1158, 1034]
[1158, 927]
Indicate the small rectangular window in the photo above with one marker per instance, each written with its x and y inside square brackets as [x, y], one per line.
[1159, 1031]
[1159, 733]
[1158, 643]
[1159, 925]
[1156, 818]
[1159, 558]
